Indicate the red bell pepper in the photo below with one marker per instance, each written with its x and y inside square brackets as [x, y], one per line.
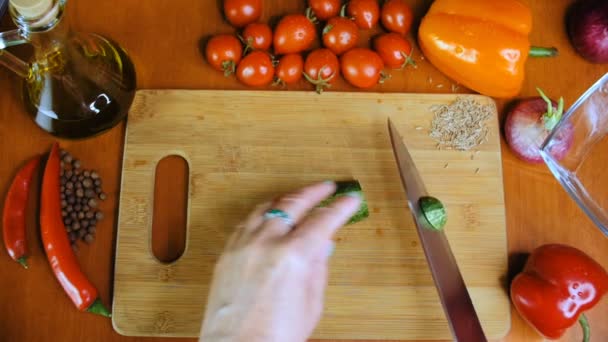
[13, 216]
[556, 286]
[57, 245]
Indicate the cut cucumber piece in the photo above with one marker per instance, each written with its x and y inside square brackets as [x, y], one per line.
[434, 212]
[344, 188]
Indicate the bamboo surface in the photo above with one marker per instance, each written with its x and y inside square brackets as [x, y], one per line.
[246, 147]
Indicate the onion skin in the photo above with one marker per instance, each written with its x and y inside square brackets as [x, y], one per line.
[587, 24]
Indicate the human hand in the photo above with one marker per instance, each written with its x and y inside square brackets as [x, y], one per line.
[269, 283]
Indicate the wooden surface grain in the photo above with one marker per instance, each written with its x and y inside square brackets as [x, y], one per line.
[246, 147]
[164, 39]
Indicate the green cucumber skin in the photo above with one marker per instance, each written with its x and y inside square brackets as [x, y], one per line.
[343, 188]
[434, 212]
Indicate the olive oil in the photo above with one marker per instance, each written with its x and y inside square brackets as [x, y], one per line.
[76, 85]
[82, 89]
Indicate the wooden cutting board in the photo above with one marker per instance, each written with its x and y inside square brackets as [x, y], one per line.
[246, 147]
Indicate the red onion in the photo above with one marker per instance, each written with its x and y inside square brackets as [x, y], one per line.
[588, 29]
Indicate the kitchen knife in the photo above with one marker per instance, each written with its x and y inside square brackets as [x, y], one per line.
[457, 304]
[3, 6]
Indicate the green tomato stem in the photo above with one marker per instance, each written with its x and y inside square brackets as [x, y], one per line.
[320, 83]
[408, 60]
[586, 329]
[327, 29]
[343, 11]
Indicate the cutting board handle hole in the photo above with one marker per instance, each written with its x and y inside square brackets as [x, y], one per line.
[171, 213]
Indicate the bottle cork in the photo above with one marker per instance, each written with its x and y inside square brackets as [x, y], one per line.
[30, 9]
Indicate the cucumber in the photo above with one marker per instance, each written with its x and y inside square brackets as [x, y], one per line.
[434, 212]
[343, 188]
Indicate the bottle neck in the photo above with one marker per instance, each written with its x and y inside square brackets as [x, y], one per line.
[44, 28]
[43, 18]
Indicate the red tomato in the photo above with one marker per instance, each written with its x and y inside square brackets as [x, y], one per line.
[257, 36]
[224, 52]
[255, 69]
[397, 16]
[365, 12]
[290, 68]
[395, 51]
[321, 68]
[294, 33]
[242, 12]
[325, 9]
[362, 67]
[340, 35]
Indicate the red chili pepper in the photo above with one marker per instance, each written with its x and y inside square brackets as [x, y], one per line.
[13, 217]
[57, 245]
[556, 286]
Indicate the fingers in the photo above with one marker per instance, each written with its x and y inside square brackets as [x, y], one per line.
[251, 223]
[256, 217]
[297, 205]
[322, 223]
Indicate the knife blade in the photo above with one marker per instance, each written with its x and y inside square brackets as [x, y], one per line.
[453, 293]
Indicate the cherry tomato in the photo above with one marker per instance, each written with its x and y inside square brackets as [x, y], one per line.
[365, 12]
[325, 9]
[321, 68]
[224, 52]
[257, 36]
[362, 67]
[340, 35]
[394, 49]
[294, 33]
[255, 69]
[397, 16]
[290, 68]
[242, 12]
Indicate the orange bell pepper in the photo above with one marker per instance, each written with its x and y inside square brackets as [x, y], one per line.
[480, 44]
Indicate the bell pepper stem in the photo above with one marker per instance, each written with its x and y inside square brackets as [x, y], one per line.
[23, 262]
[98, 308]
[538, 51]
[585, 325]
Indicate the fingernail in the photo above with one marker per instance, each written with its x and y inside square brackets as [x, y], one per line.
[331, 250]
[354, 194]
[330, 182]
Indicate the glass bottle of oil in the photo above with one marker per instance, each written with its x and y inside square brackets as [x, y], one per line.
[77, 85]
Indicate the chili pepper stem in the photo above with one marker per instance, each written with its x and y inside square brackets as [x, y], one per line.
[538, 51]
[98, 308]
[582, 319]
[23, 262]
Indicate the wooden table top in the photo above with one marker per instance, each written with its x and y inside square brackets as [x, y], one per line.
[163, 38]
